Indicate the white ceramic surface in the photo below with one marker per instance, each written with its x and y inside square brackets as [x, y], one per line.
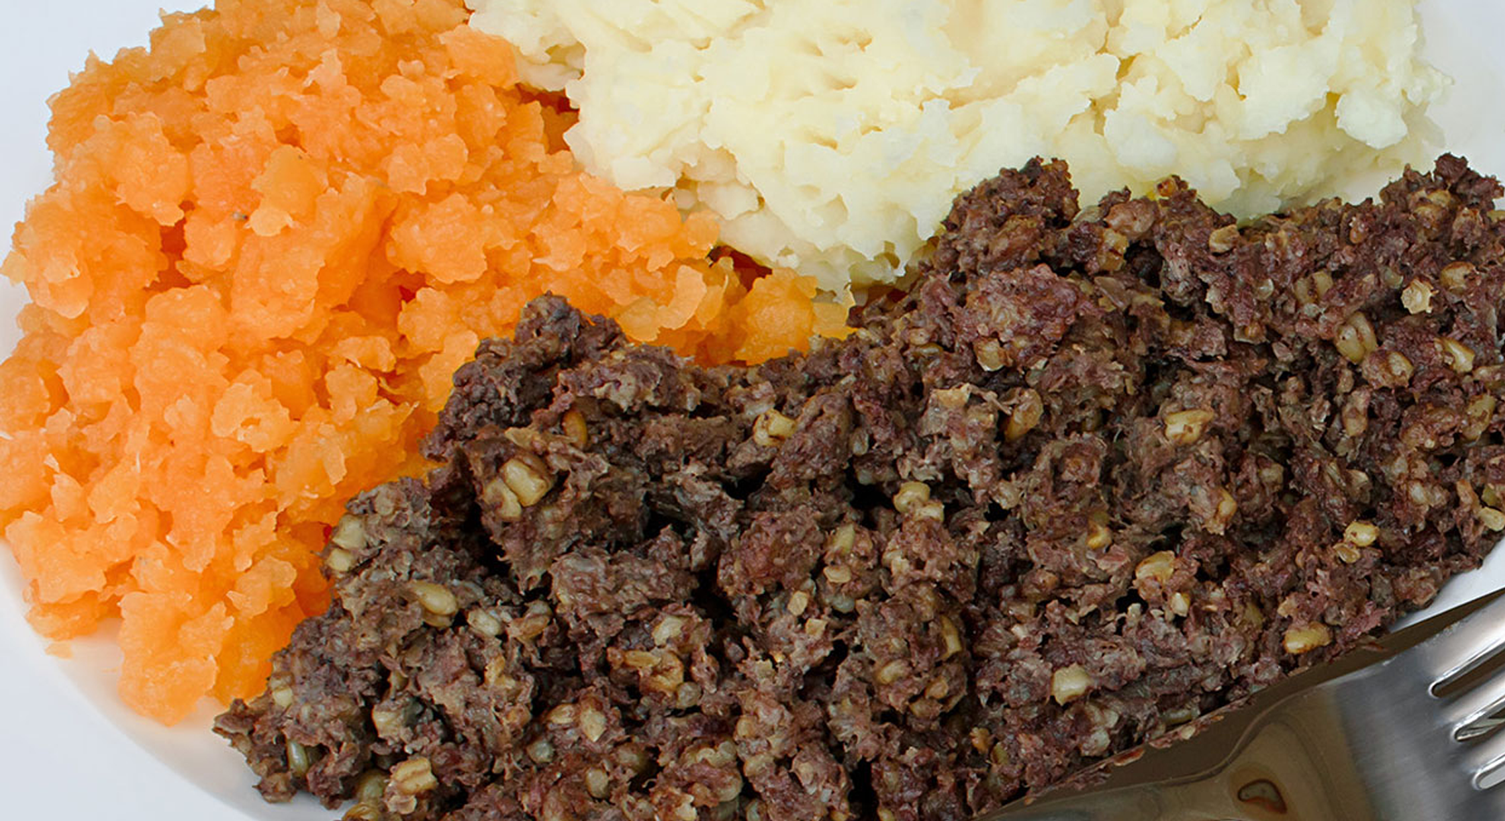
[68, 750]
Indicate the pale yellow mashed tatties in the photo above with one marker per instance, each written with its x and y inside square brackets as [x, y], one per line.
[831, 135]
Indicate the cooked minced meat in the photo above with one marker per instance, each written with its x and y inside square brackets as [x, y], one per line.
[1097, 474]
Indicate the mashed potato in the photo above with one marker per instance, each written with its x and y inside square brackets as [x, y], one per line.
[831, 135]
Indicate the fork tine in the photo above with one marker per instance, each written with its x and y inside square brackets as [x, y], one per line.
[1481, 759]
[1480, 703]
[1464, 645]
[1490, 775]
[1480, 726]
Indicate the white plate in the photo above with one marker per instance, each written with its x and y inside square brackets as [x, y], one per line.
[69, 749]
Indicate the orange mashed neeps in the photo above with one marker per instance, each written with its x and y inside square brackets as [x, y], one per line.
[274, 235]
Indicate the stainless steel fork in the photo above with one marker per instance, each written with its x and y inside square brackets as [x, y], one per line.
[1401, 731]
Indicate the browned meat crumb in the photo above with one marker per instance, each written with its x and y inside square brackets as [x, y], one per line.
[1098, 474]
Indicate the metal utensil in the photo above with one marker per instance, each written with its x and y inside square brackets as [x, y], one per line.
[1399, 731]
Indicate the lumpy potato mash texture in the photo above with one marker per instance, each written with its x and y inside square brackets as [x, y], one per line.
[273, 236]
[832, 135]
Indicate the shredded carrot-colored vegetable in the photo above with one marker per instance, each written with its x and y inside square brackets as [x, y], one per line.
[273, 237]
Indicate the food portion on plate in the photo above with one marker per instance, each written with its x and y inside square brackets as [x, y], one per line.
[1100, 473]
[929, 513]
[273, 237]
[832, 135]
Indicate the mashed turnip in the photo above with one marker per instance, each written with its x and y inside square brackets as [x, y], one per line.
[831, 135]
